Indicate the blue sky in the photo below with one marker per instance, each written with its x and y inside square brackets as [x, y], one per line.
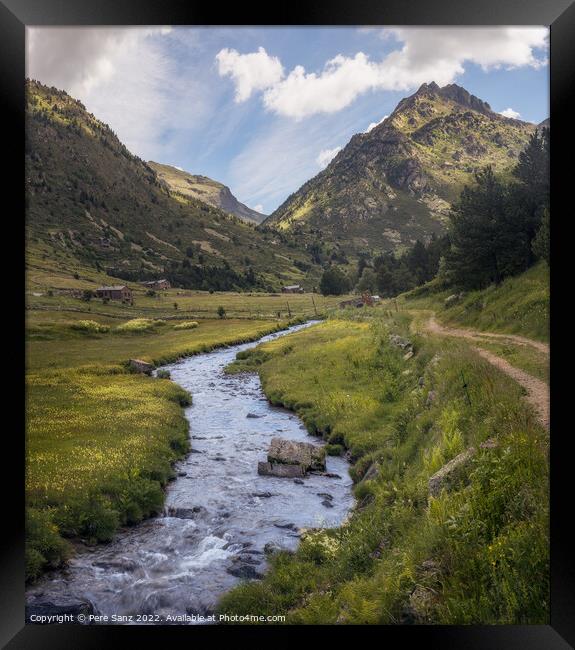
[263, 109]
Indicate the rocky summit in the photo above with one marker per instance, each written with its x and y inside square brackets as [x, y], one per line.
[395, 183]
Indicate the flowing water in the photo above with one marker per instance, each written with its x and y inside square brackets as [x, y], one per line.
[220, 516]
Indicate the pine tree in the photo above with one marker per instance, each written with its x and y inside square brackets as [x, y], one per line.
[475, 255]
[541, 243]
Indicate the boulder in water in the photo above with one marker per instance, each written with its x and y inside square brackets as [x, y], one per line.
[280, 470]
[184, 513]
[290, 452]
[245, 571]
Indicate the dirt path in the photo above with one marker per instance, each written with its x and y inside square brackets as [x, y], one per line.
[537, 390]
[436, 328]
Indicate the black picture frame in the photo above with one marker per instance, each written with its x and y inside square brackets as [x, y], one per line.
[14, 16]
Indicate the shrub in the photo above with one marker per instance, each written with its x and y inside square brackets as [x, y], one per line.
[44, 546]
[92, 518]
[163, 374]
[186, 325]
[221, 312]
[90, 326]
[139, 326]
[334, 450]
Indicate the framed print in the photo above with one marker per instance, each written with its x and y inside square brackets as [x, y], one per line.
[287, 322]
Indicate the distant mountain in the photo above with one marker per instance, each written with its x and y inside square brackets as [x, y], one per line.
[92, 201]
[205, 189]
[394, 184]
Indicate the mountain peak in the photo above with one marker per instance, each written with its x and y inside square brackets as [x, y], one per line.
[426, 88]
[454, 93]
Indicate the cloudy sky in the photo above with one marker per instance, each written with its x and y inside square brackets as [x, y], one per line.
[264, 109]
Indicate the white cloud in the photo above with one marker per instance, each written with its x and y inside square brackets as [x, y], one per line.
[422, 55]
[372, 125]
[80, 59]
[509, 112]
[259, 208]
[259, 175]
[254, 71]
[325, 156]
[127, 78]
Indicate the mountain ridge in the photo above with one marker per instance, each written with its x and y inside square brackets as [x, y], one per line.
[205, 189]
[90, 202]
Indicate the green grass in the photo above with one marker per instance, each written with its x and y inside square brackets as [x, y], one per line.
[54, 344]
[521, 356]
[477, 553]
[192, 305]
[100, 442]
[99, 445]
[519, 305]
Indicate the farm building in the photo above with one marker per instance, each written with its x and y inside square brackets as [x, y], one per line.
[292, 288]
[157, 284]
[364, 299]
[120, 292]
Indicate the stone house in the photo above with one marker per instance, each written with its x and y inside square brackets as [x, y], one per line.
[158, 285]
[119, 292]
[292, 288]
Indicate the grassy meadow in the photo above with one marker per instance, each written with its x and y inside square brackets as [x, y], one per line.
[100, 441]
[475, 553]
[519, 305]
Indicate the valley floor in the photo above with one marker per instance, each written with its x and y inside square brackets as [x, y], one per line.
[402, 394]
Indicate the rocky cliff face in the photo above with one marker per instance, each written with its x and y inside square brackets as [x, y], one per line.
[394, 184]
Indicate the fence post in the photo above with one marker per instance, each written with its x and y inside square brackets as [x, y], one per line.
[314, 307]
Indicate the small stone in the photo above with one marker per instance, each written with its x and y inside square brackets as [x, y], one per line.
[441, 478]
[184, 513]
[271, 548]
[245, 571]
[143, 367]
[371, 473]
